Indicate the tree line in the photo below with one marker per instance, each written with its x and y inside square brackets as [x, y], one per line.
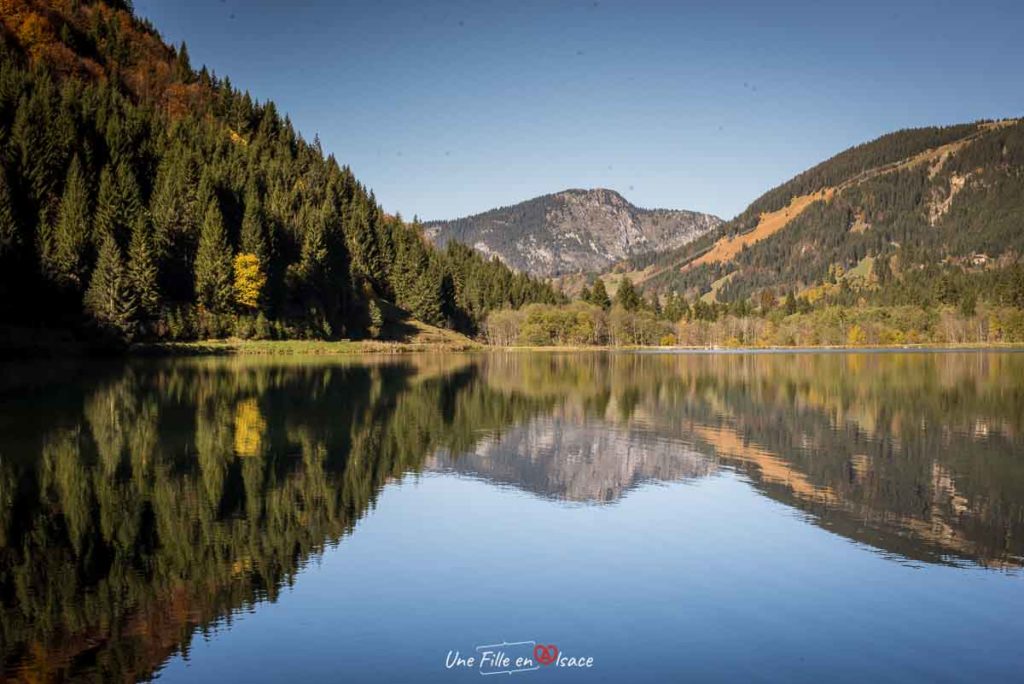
[889, 305]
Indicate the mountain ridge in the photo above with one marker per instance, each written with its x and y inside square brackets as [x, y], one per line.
[570, 231]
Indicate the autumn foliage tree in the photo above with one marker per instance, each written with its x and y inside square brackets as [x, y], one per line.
[249, 281]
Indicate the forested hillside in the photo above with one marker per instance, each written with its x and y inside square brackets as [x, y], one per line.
[142, 199]
[948, 202]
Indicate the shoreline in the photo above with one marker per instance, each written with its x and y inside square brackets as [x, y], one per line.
[239, 347]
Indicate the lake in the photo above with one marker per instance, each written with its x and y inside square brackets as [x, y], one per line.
[778, 517]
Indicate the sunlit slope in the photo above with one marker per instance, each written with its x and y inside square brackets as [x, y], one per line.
[952, 194]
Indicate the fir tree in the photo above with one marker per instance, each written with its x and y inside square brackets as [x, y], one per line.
[109, 297]
[70, 235]
[106, 216]
[599, 295]
[425, 301]
[119, 204]
[182, 64]
[213, 267]
[363, 246]
[142, 269]
[626, 296]
[38, 153]
[655, 305]
[253, 238]
[10, 238]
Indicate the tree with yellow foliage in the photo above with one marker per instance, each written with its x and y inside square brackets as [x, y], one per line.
[857, 336]
[249, 281]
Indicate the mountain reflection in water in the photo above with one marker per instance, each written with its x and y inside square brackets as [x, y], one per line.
[139, 502]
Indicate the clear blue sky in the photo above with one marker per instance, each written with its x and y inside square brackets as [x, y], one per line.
[449, 108]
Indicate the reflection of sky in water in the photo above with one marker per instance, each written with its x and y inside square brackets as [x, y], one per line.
[705, 580]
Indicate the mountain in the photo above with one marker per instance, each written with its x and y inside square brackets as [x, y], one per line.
[907, 202]
[572, 231]
[141, 198]
[559, 458]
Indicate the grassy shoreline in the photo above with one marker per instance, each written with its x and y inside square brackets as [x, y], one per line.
[239, 347]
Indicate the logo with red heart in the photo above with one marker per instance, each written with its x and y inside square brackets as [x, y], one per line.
[545, 655]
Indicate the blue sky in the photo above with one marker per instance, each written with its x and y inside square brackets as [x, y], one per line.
[450, 108]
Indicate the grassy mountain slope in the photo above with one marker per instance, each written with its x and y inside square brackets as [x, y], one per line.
[913, 198]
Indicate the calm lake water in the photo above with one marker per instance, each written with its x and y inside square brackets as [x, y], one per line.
[735, 517]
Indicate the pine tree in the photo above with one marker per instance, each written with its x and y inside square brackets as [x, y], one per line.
[253, 238]
[142, 269]
[626, 296]
[119, 204]
[129, 198]
[71, 234]
[213, 263]
[104, 221]
[109, 298]
[655, 305]
[182, 65]
[599, 295]
[10, 237]
[425, 302]
[39, 162]
[376, 317]
[363, 246]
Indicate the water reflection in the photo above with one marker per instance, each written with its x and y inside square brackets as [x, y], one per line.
[139, 502]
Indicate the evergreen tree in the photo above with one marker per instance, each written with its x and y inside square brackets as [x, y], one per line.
[363, 247]
[320, 270]
[599, 295]
[213, 267]
[626, 296]
[38, 153]
[182, 65]
[655, 305]
[426, 304]
[10, 237]
[71, 234]
[118, 205]
[142, 269]
[109, 298]
[253, 238]
[106, 216]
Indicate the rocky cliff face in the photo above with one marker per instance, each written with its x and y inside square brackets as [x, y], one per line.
[572, 231]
